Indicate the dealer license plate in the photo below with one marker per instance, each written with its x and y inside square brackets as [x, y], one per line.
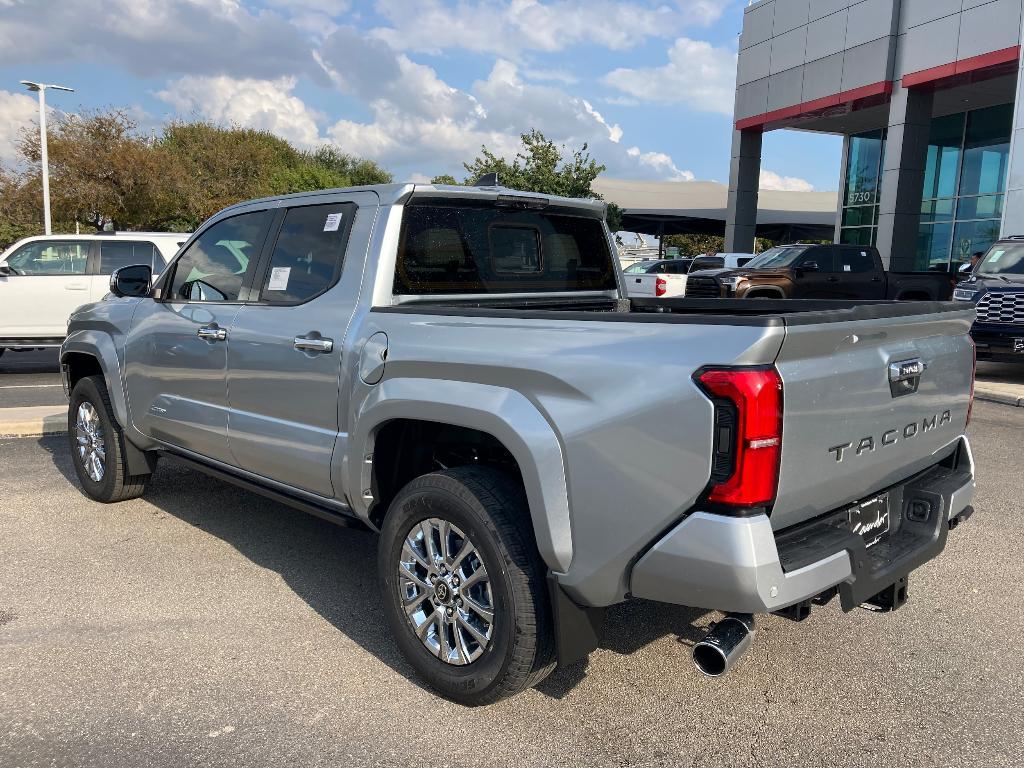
[870, 520]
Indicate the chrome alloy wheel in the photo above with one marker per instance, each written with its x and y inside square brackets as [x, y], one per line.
[446, 592]
[92, 449]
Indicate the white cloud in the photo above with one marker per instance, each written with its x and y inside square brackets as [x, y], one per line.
[17, 112]
[504, 28]
[262, 104]
[774, 181]
[417, 115]
[661, 163]
[697, 74]
[157, 37]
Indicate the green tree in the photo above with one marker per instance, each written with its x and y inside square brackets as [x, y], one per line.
[540, 167]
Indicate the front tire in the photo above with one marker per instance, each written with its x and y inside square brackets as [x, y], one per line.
[98, 445]
[464, 587]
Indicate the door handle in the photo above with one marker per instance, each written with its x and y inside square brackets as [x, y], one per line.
[212, 333]
[832, 279]
[313, 344]
[876, 279]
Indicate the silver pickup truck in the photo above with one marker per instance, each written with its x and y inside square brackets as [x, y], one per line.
[460, 370]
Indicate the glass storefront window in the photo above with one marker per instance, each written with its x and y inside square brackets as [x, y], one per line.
[945, 140]
[858, 235]
[986, 151]
[860, 196]
[933, 242]
[862, 175]
[964, 186]
[971, 237]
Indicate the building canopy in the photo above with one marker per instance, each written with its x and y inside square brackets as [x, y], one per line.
[699, 207]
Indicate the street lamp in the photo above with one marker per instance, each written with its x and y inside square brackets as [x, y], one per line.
[41, 89]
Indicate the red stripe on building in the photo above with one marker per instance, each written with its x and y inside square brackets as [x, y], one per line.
[962, 67]
[817, 106]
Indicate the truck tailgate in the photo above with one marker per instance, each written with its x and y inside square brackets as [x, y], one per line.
[846, 435]
[640, 286]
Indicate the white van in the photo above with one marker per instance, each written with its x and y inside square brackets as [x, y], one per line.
[43, 279]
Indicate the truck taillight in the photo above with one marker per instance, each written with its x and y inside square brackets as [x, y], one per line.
[660, 286]
[752, 441]
[974, 373]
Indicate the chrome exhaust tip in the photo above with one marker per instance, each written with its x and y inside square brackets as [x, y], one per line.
[724, 644]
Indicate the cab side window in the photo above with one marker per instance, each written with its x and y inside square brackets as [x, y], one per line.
[309, 252]
[214, 267]
[50, 257]
[823, 256]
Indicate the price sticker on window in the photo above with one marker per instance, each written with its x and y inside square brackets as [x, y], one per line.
[333, 222]
[279, 279]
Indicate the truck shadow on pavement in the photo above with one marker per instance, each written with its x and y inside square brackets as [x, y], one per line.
[333, 569]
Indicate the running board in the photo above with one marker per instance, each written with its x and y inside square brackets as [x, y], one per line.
[317, 510]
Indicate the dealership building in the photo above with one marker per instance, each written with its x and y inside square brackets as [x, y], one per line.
[924, 93]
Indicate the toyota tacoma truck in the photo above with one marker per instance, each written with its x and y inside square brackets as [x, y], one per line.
[460, 370]
[803, 271]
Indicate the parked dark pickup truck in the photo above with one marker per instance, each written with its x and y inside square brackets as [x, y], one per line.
[996, 287]
[818, 272]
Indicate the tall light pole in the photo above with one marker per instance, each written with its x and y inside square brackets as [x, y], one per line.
[40, 88]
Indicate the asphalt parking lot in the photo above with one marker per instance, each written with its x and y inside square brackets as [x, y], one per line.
[203, 625]
[30, 378]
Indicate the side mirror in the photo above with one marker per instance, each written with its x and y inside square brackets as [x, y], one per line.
[131, 281]
[809, 266]
[5, 271]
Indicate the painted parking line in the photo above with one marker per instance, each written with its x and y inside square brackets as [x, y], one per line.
[29, 386]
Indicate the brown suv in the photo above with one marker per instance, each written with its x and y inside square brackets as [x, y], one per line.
[804, 271]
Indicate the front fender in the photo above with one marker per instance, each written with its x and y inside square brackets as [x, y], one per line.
[100, 346]
[504, 414]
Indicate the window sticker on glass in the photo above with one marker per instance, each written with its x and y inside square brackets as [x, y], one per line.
[333, 222]
[996, 255]
[279, 279]
[847, 268]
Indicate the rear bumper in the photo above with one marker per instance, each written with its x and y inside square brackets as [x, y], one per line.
[741, 565]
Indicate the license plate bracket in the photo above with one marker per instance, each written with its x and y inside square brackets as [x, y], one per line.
[870, 519]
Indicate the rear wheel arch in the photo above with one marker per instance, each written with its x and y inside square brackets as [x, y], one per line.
[504, 427]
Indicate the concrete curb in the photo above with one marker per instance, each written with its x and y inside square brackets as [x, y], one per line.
[994, 396]
[33, 421]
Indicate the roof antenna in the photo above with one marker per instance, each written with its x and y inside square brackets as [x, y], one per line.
[487, 180]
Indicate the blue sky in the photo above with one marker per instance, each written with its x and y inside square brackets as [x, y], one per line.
[417, 85]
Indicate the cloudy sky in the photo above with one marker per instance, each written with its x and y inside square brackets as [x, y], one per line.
[417, 85]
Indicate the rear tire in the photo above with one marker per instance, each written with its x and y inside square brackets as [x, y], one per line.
[97, 445]
[483, 510]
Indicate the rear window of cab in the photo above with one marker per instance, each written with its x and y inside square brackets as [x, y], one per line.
[463, 248]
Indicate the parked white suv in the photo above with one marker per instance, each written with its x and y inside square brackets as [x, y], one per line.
[44, 279]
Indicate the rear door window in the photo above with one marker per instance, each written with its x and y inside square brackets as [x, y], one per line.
[308, 254]
[115, 254]
[855, 260]
[465, 248]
